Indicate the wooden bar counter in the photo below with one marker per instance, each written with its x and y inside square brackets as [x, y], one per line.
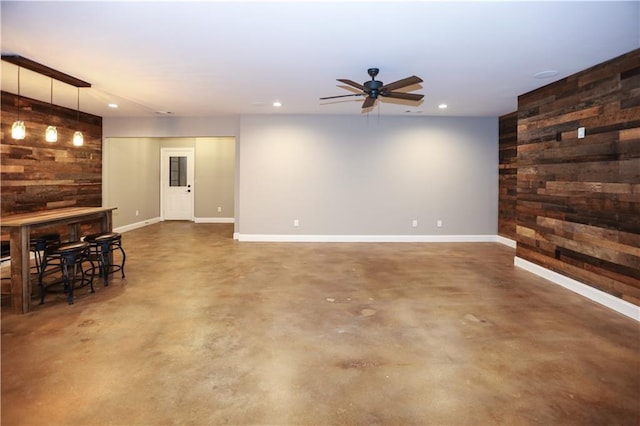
[20, 226]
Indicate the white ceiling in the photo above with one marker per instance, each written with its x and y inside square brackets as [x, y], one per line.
[236, 57]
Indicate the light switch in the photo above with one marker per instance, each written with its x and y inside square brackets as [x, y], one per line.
[580, 132]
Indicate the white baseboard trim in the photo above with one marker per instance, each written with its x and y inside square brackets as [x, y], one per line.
[506, 241]
[214, 220]
[294, 238]
[136, 225]
[621, 306]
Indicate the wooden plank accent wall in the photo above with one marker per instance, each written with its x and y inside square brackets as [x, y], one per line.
[507, 174]
[578, 200]
[38, 175]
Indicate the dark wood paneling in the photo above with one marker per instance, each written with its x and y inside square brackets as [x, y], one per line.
[38, 175]
[578, 200]
[507, 174]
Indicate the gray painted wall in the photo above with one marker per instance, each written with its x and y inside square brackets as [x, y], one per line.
[338, 175]
[215, 177]
[169, 126]
[363, 175]
[131, 176]
[131, 173]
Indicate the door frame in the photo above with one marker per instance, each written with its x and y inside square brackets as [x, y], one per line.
[164, 176]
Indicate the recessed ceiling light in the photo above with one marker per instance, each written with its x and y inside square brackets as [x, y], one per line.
[546, 74]
[164, 112]
[442, 106]
[277, 104]
[113, 105]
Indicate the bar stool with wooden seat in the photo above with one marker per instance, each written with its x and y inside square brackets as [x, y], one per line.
[5, 251]
[66, 256]
[102, 248]
[5, 283]
[38, 243]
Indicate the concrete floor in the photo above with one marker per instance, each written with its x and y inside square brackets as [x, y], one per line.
[209, 331]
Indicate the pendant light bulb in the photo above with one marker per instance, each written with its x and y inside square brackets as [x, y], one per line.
[78, 139]
[51, 134]
[18, 130]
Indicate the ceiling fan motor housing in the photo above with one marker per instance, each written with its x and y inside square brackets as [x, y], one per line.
[372, 88]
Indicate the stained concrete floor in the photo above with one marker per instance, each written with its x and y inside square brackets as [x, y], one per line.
[207, 331]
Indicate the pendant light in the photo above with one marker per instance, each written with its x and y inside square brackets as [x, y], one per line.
[51, 134]
[18, 129]
[78, 139]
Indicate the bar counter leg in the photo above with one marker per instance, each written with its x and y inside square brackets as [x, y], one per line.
[107, 222]
[73, 231]
[107, 226]
[20, 271]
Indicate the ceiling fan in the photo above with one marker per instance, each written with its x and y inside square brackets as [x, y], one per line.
[374, 88]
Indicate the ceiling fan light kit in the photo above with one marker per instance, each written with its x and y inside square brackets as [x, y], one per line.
[373, 89]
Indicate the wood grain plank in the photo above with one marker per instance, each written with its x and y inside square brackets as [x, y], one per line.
[578, 200]
[37, 175]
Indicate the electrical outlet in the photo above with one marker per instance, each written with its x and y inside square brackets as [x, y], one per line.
[137, 212]
[296, 222]
[581, 132]
[439, 223]
[414, 223]
[219, 209]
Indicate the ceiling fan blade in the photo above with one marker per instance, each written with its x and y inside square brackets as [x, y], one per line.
[368, 102]
[342, 96]
[351, 83]
[401, 83]
[402, 95]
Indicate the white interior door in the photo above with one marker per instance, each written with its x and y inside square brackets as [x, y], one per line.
[176, 186]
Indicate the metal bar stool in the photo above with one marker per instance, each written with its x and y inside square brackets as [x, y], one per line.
[66, 256]
[38, 243]
[102, 249]
[5, 256]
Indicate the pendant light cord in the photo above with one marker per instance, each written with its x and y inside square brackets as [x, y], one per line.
[51, 99]
[19, 93]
